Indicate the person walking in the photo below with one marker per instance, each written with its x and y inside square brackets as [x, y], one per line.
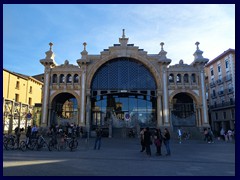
[166, 140]
[142, 139]
[28, 134]
[98, 139]
[18, 134]
[148, 141]
[210, 136]
[157, 141]
[180, 135]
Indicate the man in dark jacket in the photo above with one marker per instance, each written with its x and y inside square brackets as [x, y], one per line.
[147, 141]
[99, 133]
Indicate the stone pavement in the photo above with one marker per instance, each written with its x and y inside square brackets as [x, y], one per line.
[122, 157]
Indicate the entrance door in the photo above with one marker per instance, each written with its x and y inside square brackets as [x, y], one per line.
[183, 113]
[124, 110]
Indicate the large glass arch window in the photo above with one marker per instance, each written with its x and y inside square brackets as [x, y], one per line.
[123, 73]
[134, 107]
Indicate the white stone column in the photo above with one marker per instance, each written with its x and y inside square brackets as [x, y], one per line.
[205, 118]
[45, 96]
[159, 110]
[83, 95]
[165, 99]
[49, 123]
[199, 117]
[88, 111]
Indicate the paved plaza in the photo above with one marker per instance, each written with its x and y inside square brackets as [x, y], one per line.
[122, 157]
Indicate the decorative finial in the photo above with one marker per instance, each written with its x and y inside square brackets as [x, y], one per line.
[84, 44]
[197, 43]
[181, 61]
[162, 43]
[123, 35]
[50, 44]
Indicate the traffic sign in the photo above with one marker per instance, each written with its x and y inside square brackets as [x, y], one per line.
[127, 116]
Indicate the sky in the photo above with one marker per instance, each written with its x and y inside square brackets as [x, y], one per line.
[28, 29]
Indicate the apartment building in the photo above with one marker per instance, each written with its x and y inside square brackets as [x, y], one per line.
[21, 94]
[220, 77]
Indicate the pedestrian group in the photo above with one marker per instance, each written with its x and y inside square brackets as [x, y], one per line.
[157, 138]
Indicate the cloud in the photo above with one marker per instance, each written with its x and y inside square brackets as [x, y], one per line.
[29, 28]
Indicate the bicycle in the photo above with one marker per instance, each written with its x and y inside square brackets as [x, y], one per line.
[53, 144]
[64, 142]
[5, 138]
[12, 142]
[73, 143]
[38, 142]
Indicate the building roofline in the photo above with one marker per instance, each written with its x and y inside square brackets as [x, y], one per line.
[16, 74]
[23, 76]
[220, 56]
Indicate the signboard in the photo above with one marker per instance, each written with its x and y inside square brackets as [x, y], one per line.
[127, 116]
[29, 115]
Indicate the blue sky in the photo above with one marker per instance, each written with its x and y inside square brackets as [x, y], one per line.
[28, 29]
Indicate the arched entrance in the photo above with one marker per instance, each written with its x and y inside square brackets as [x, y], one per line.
[183, 112]
[123, 94]
[64, 109]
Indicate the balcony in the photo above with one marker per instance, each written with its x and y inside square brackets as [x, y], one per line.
[220, 93]
[213, 96]
[229, 91]
[219, 81]
[228, 78]
[212, 84]
[223, 105]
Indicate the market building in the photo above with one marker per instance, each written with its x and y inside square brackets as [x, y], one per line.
[125, 87]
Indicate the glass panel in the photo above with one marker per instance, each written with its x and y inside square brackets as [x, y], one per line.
[132, 104]
[113, 73]
[141, 110]
[123, 73]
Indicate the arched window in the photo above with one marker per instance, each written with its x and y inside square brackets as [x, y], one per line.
[193, 78]
[185, 78]
[171, 78]
[123, 74]
[179, 78]
[54, 78]
[62, 78]
[75, 78]
[69, 78]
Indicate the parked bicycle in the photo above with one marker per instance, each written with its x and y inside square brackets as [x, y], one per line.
[53, 143]
[37, 143]
[11, 142]
[64, 142]
[73, 143]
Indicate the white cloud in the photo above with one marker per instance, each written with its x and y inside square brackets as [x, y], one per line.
[179, 26]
